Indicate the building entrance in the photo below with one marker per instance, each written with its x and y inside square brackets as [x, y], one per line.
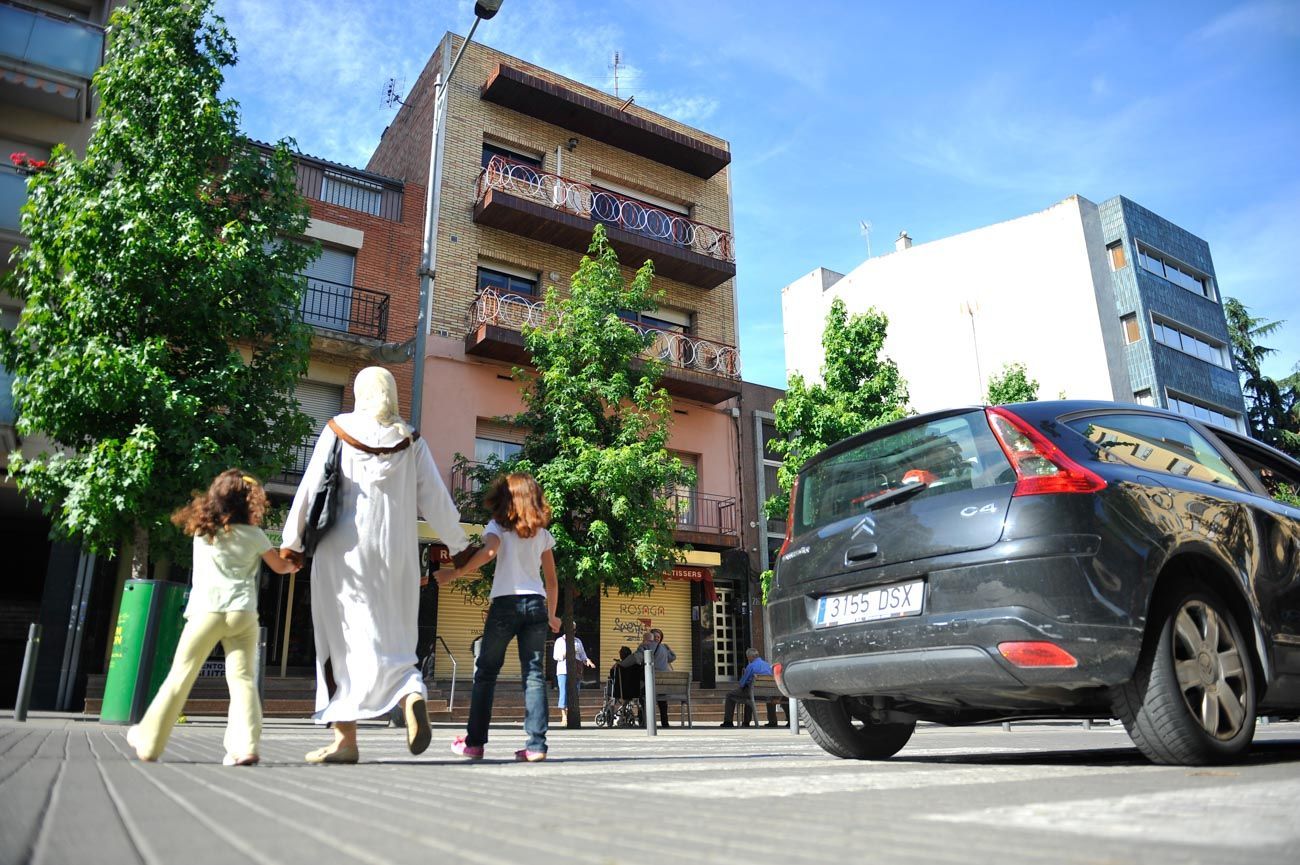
[726, 651]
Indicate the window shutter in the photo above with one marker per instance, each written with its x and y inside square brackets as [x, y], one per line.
[319, 400]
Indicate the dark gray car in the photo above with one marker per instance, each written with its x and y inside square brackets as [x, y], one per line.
[1042, 560]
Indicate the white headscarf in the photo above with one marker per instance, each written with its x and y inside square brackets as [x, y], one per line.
[375, 391]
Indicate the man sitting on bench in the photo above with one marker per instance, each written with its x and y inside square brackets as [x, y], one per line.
[740, 694]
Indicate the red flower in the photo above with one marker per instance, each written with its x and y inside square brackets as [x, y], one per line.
[36, 164]
[18, 158]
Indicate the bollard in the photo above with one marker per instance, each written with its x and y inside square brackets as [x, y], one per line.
[28, 677]
[793, 714]
[651, 711]
[261, 663]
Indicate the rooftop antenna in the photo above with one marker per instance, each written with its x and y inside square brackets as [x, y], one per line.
[391, 91]
[865, 227]
[617, 61]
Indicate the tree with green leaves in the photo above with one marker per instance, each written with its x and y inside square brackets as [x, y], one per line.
[1012, 384]
[1272, 406]
[160, 342]
[597, 426]
[861, 389]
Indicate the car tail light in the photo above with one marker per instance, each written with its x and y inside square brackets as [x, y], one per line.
[1037, 654]
[789, 522]
[1041, 467]
[776, 674]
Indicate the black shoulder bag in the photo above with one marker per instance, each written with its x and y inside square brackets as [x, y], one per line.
[323, 508]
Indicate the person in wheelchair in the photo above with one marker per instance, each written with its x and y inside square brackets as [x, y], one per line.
[622, 695]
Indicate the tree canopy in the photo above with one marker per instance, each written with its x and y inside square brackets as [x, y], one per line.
[861, 389]
[1012, 384]
[1272, 405]
[160, 341]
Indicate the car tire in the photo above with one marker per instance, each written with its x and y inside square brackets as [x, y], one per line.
[1191, 701]
[838, 731]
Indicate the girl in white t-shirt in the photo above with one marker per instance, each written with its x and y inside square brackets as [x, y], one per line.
[522, 608]
[228, 547]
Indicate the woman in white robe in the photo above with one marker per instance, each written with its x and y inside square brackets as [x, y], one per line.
[365, 575]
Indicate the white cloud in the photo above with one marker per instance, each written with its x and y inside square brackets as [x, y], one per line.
[1252, 19]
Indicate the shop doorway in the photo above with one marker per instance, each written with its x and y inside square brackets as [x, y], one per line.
[726, 650]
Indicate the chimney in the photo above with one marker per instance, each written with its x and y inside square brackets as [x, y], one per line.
[904, 241]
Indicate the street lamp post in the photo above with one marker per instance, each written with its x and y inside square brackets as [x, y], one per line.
[483, 10]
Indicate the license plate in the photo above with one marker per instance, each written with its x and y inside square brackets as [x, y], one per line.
[886, 602]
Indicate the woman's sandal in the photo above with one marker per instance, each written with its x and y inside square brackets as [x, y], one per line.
[246, 760]
[418, 733]
[330, 754]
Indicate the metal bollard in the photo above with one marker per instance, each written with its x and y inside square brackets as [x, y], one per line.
[793, 712]
[261, 663]
[651, 710]
[28, 677]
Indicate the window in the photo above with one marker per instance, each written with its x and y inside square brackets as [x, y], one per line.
[1177, 338]
[495, 440]
[1156, 444]
[1179, 274]
[521, 165]
[351, 192]
[327, 301]
[1117, 258]
[664, 318]
[506, 282]
[1271, 471]
[1144, 397]
[1189, 407]
[1132, 330]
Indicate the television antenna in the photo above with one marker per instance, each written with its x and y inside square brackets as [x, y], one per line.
[865, 228]
[391, 90]
[618, 60]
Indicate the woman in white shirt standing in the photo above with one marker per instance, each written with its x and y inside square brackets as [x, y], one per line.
[561, 655]
[522, 607]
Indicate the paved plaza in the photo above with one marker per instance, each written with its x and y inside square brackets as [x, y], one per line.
[1046, 793]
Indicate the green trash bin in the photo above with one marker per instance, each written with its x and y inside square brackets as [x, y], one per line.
[149, 625]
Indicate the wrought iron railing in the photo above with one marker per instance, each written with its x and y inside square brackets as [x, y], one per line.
[602, 205]
[301, 456]
[680, 350]
[705, 513]
[345, 308]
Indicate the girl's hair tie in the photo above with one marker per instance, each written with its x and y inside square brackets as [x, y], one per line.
[249, 479]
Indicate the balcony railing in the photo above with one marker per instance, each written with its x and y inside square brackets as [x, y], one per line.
[678, 350]
[13, 195]
[293, 472]
[701, 513]
[345, 308]
[601, 205]
[50, 41]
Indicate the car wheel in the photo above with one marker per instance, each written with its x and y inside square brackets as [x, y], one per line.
[1192, 699]
[850, 734]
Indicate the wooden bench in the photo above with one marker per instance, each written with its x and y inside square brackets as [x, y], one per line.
[674, 687]
[764, 690]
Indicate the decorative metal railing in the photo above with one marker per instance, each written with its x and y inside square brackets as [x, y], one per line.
[601, 205]
[706, 513]
[294, 471]
[679, 350]
[346, 308]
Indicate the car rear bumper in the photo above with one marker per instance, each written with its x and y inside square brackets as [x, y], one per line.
[973, 602]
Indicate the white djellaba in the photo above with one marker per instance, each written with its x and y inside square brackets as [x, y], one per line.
[365, 575]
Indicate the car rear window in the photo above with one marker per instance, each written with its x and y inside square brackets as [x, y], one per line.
[957, 452]
[1164, 445]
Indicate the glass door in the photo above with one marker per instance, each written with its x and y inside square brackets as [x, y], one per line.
[725, 660]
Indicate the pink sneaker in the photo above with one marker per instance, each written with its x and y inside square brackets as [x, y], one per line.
[523, 755]
[464, 749]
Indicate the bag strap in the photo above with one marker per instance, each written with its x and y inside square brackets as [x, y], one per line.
[400, 446]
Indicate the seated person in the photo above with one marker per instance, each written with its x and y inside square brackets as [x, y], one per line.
[740, 694]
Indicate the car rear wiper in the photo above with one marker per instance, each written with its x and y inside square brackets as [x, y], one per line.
[895, 496]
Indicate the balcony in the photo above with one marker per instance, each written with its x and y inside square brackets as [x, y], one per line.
[293, 472]
[561, 106]
[348, 309]
[696, 368]
[519, 198]
[703, 519]
[47, 60]
[13, 195]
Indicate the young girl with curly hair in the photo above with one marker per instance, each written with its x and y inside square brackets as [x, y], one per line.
[523, 606]
[228, 547]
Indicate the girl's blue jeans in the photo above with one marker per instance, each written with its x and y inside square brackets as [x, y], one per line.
[522, 618]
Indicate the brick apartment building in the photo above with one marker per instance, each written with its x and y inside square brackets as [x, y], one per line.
[528, 162]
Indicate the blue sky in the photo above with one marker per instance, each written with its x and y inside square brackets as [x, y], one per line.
[935, 118]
